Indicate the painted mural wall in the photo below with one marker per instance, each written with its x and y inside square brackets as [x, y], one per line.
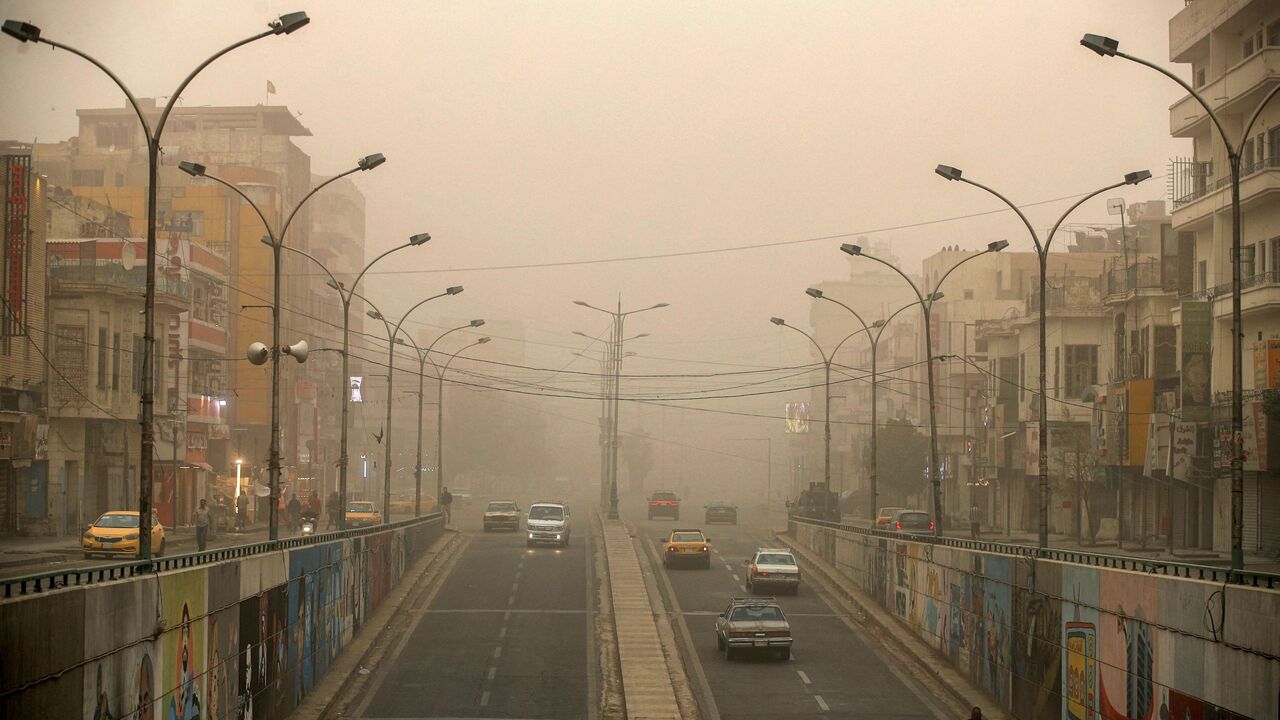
[243, 639]
[1046, 639]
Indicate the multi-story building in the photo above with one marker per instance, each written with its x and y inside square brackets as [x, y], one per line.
[1232, 48]
[26, 495]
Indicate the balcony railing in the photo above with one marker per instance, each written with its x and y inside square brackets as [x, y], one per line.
[1246, 282]
[1143, 274]
[111, 274]
[1068, 293]
[1204, 187]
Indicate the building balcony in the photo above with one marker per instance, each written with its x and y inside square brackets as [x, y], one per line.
[83, 278]
[1259, 292]
[1237, 92]
[206, 336]
[1196, 199]
[1193, 23]
[1073, 295]
[1139, 278]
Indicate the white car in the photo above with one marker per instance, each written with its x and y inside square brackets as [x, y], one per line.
[547, 523]
[773, 567]
[461, 496]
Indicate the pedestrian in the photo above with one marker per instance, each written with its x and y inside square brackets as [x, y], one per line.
[446, 500]
[242, 511]
[976, 713]
[975, 524]
[202, 524]
[334, 509]
[295, 509]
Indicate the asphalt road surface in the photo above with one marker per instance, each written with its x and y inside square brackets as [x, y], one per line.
[506, 636]
[833, 671]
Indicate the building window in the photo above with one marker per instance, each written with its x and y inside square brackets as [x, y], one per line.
[86, 178]
[980, 346]
[115, 361]
[1275, 259]
[968, 294]
[1022, 377]
[1082, 369]
[1057, 371]
[1273, 34]
[1202, 275]
[102, 358]
[1251, 44]
[114, 135]
[1201, 77]
[1166, 351]
[138, 344]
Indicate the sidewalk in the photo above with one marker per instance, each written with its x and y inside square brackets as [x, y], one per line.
[32, 552]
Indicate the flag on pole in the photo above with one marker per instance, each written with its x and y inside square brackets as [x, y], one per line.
[271, 89]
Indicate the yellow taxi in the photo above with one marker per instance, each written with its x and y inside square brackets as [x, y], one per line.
[687, 546]
[116, 533]
[362, 513]
[885, 515]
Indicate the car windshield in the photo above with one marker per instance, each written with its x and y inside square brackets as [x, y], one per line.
[117, 520]
[762, 613]
[775, 559]
[546, 512]
[360, 507]
[502, 507]
[664, 496]
[687, 537]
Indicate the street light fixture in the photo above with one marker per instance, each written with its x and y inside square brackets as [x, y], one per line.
[440, 400]
[275, 240]
[26, 32]
[926, 300]
[1108, 47]
[1042, 254]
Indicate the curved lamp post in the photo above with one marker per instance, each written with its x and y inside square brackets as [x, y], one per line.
[878, 326]
[1042, 254]
[26, 32]
[345, 295]
[393, 337]
[440, 399]
[619, 319]
[926, 306]
[827, 359]
[276, 241]
[1107, 47]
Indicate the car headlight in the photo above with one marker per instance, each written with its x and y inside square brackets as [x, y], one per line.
[131, 536]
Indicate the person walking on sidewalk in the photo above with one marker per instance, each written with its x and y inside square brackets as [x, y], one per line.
[334, 509]
[242, 511]
[295, 510]
[446, 500]
[975, 524]
[202, 525]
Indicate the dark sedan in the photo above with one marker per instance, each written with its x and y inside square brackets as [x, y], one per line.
[721, 512]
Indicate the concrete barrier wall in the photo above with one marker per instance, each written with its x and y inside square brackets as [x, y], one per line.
[242, 638]
[1049, 639]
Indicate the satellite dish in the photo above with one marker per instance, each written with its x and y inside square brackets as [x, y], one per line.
[128, 255]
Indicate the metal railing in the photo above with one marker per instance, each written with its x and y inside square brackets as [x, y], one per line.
[1224, 290]
[1153, 566]
[72, 272]
[1202, 187]
[75, 577]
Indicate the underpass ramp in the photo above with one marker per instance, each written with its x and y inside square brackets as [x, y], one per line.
[646, 679]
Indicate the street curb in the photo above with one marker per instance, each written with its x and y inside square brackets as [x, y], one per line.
[921, 660]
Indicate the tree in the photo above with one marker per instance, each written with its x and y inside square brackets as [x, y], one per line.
[902, 457]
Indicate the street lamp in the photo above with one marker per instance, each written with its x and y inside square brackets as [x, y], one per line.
[926, 306]
[619, 319]
[440, 399]
[393, 337]
[878, 326]
[1042, 254]
[275, 240]
[1107, 47]
[345, 295]
[827, 359]
[26, 32]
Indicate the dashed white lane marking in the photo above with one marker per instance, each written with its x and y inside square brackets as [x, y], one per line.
[502, 632]
[497, 652]
[515, 587]
[736, 578]
[511, 600]
[506, 616]
[484, 698]
[492, 672]
[821, 703]
[803, 678]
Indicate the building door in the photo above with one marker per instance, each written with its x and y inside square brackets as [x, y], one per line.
[1268, 511]
[8, 499]
[1250, 525]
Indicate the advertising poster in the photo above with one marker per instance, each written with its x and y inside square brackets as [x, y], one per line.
[1197, 350]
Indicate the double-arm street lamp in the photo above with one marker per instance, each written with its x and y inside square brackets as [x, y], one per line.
[345, 295]
[619, 320]
[26, 32]
[275, 240]
[1107, 47]
[827, 359]
[393, 338]
[874, 337]
[926, 306]
[440, 370]
[1042, 253]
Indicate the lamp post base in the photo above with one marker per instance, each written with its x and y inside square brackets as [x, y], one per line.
[613, 502]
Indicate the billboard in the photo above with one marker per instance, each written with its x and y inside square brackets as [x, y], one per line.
[797, 417]
[357, 394]
[17, 190]
[1197, 350]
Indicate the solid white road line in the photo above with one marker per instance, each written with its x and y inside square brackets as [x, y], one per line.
[821, 703]
[804, 678]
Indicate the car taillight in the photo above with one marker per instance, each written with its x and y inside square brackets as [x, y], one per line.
[930, 524]
[898, 525]
[741, 633]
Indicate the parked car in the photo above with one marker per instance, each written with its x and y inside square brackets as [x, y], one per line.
[884, 516]
[753, 623]
[362, 513]
[664, 504]
[116, 533]
[548, 523]
[913, 522]
[721, 512]
[689, 546]
[772, 567]
[502, 515]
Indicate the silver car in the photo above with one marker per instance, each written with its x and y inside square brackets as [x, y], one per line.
[753, 623]
[773, 567]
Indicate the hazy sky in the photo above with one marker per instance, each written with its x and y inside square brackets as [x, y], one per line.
[545, 132]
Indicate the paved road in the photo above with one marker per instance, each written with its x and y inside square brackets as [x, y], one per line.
[833, 671]
[507, 636]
